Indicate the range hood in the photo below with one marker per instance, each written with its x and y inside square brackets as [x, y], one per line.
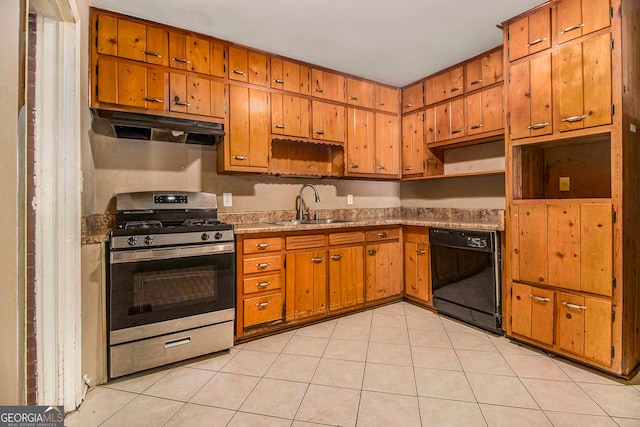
[121, 124]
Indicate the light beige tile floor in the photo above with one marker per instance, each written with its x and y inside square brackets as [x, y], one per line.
[397, 365]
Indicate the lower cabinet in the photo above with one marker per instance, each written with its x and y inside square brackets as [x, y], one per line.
[532, 313]
[417, 264]
[383, 264]
[306, 279]
[346, 270]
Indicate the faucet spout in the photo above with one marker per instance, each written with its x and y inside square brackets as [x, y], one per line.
[300, 201]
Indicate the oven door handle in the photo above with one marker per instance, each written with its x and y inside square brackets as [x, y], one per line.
[119, 257]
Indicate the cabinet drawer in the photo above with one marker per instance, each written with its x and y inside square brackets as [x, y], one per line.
[384, 234]
[262, 283]
[305, 241]
[346, 238]
[262, 309]
[265, 244]
[261, 264]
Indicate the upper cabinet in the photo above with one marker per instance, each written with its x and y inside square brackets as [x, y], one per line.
[360, 93]
[449, 84]
[132, 40]
[575, 18]
[248, 66]
[289, 76]
[189, 53]
[484, 71]
[412, 97]
[387, 99]
[529, 34]
[328, 85]
[290, 115]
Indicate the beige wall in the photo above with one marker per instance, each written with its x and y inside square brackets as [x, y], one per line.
[11, 321]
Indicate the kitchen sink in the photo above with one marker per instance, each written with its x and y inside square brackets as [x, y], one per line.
[309, 221]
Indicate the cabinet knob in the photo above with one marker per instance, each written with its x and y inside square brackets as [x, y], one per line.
[279, 126]
[380, 167]
[475, 82]
[372, 251]
[176, 101]
[319, 132]
[262, 245]
[409, 168]
[421, 252]
[319, 90]
[383, 234]
[354, 166]
[240, 157]
[353, 98]
[408, 106]
[263, 284]
[336, 257]
[263, 265]
[475, 126]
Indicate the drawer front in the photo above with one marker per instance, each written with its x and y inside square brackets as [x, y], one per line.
[346, 238]
[416, 234]
[384, 234]
[262, 283]
[261, 264]
[265, 244]
[262, 309]
[306, 241]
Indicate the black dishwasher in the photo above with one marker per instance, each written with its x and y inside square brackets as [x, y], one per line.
[465, 272]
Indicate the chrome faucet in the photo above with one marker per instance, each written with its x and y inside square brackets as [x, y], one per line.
[301, 212]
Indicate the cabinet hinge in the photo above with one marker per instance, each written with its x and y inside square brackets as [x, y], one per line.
[613, 109]
[509, 78]
[285, 263]
[508, 53]
[614, 217]
[511, 320]
[423, 117]
[611, 12]
[224, 68]
[612, 44]
[613, 352]
[511, 292]
[508, 35]
[613, 316]
[613, 282]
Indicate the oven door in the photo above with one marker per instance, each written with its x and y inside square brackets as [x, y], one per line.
[151, 286]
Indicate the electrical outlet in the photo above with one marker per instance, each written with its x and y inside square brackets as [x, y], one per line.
[564, 183]
[349, 199]
[227, 199]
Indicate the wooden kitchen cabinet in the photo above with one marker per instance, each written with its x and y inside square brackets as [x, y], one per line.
[412, 97]
[533, 312]
[191, 94]
[328, 121]
[484, 71]
[360, 93]
[449, 84]
[248, 66]
[126, 83]
[529, 34]
[248, 133]
[290, 76]
[290, 115]
[530, 98]
[218, 58]
[584, 84]
[328, 85]
[576, 18]
[129, 39]
[383, 264]
[387, 151]
[417, 264]
[346, 270]
[413, 144]
[190, 53]
[584, 326]
[484, 111]
[306, 276]
[360, 142]
[450, 120]
[387, 99]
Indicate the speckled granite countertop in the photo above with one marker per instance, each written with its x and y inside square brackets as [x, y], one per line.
[96, 228]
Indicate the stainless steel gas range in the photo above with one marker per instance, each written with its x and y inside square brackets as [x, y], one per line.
[171, 280]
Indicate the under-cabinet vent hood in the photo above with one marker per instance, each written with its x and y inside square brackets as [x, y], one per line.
[121, 124]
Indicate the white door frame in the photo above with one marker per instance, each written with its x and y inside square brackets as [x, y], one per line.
[57, 206]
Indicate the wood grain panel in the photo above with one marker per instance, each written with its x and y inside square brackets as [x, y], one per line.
[261, 244]
[412, 144]
[132, 82]
[306, 284]
[262, 309]
[542, 310]
[563, 245]
[360, 141]
[541, 95]
[597, 330]
[305, 241]
[262, 283]
[570, 332]
[218, 57]
[387, 145]
[107, 80]
[532, 222]
[132, 40]
[521, 309]
[596, 249]
[570, 87]
[261, 264]
[597, 80]
[346, 237]
[198, 95]
[346, 277]
[520, 100]
[107, 37]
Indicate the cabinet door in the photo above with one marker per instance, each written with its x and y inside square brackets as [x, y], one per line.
[450, 120]
[484, 111]
[383, 269]
[289, 76]
[417, 270]
[190, 94]
[248, 127]
[449, 84]
[328, 121]
[189, 53]
[289, 115]
[387, 99]
[412, 97]
[530, 98]
[306, 284]
[584, 89]
[218, 57]
[563, 245]
[130, 84]
[576, 18]
[326, 85]
[360, 141]
[132, 40]
[532, 312]
[531, 251]
[247, 66]
[412, 144]
[596, 243]
[346, 277]
[584, 327]
[360, 93]
[387, 146]
[218, 93]
[530, 34]
[484, 71]
[457, 119]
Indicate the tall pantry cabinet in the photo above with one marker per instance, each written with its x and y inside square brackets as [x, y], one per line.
[572, 156]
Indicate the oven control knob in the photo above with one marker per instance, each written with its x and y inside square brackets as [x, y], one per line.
[218, 236]
[133, 240]
[148, 240]
[205, 236]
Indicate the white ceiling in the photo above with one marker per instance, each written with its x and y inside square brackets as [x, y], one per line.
[389, 41]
